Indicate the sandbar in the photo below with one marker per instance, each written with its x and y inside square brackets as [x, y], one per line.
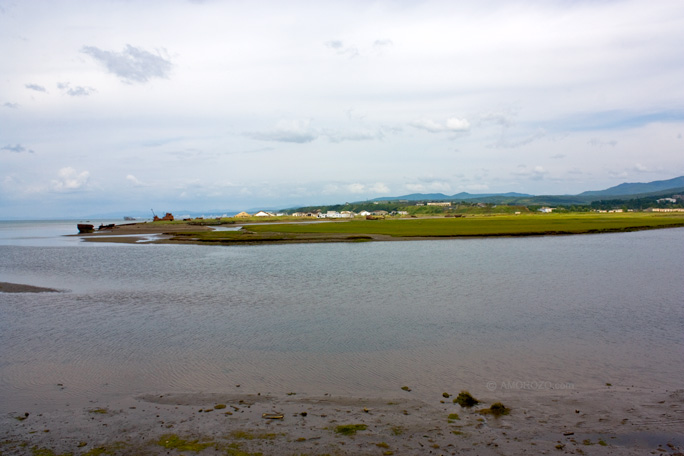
[6, 287]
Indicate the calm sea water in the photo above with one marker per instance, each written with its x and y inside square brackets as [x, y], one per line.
[355, 319]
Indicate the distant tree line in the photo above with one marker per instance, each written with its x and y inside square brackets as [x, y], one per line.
[474, 207]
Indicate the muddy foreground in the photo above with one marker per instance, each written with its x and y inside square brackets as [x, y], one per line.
[613, 420]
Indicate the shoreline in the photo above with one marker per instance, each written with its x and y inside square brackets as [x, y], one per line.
[184, 233]
[613, 420]
[8, 287]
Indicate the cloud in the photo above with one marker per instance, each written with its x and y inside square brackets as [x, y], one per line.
[558, 156]
[379, 187]
[36, 87]
[70, 180]
[536, 173]
[497, 118]
[452, 124]
[505, 142]
[17, 148]
[78, 91]
[429, 185]
[639, 168]
[340, 49]
[598, 143]
[134, 180]
[132, 64]
[10, 105]
[355, 135]
[382, 43]
[357, 188]
[294, 131]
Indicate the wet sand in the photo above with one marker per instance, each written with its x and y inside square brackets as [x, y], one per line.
[6, 287]
[609, 421]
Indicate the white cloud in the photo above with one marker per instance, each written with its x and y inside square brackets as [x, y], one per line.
[340, 49]
[133, 64]
[17, 149]
[429, 185]
[36, 87]
[78, 91]
[356, 188]
[497, 118]
[534, 173]
[379, 188]
[294, 131]
[70, 180]
[600, 143]
[639, 168]
[337, 136]
[508, 140]
[452, 124]
[135, 181]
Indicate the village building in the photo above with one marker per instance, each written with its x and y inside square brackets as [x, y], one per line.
[667, 209]
[168, 217]
[242, 214]
[263, 214]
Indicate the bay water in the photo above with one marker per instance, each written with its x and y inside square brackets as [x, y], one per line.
[356, 319]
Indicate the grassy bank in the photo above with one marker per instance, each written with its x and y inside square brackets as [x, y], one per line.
[501, 225]
[487, 226]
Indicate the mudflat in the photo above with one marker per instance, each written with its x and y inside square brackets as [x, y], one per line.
[6, 287]
[612, 420]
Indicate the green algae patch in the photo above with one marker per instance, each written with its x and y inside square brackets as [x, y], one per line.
[174, 442]
[497, 409]
[465, 399]
[397, 430]
[99, 410]
[234, 449]
[453, 417]
[350, 429]
[246, 435]
[37, 451]
[110, 450]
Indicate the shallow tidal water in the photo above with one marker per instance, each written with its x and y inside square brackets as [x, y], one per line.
[361, 319]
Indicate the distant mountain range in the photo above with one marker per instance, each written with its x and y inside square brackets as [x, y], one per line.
[637, 188]
[442, 196]
[622, 191]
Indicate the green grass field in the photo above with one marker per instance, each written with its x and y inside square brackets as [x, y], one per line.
[408, 228]
[503, 225]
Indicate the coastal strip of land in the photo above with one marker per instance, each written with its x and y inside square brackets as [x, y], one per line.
[6, 287]
[391, 229]
[605, 420]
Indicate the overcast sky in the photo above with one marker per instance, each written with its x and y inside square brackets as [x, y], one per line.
[118, 105]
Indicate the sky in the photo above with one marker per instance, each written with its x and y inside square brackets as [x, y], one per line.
[121, 106]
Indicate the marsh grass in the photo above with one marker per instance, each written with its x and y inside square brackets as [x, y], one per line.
[500, 225]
